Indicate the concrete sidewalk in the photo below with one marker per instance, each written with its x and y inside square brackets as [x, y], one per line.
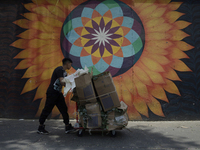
[138, 135]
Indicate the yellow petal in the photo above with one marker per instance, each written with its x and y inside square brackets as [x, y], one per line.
[49, 49]
[36, 43]
[154, 76]
[55, 3]
[151, 64]
[183, 45]
[157, 36]
[159, 58]
[126, 97]
[40, 108]
[134, 115]
[146, 4]
[172, 16]
[158, 92]
[41, 90]
[30, 85]
[24, 64]
[154, 23]
[41, 58]
[164, 27]
[38, 25]
[47, 74]
[41, 10]
[53, 61]
[33, 71]
[52, 22]
[20, 43]
[56, 11]
[162, 44]
[180, 66]
[66, 4]
[141, 88]
[174, 5]
[31, 16]
[171, 74]
[23, 23]
[39, 2]
[155, 107]
[27, 53]
[30, 6]
[118, 88]
[29, 34]
[158, 12]
[148, 10]
[177, 35]
[142, 76]
[177, 54]
[52, 36]
[171, 87]
[164, 1]
[181, 24]
[155, 49]
[141, 106]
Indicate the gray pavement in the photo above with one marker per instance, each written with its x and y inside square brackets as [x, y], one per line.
[138, 135]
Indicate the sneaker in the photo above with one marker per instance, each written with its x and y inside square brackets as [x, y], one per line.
[69, 128]
[41, 130]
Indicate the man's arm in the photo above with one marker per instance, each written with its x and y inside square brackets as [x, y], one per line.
[61, 81]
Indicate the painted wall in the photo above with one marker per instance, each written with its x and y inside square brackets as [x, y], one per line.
[149, 46]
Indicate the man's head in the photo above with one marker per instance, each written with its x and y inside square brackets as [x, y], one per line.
[67, 63]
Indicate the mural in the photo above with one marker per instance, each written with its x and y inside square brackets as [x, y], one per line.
[149, 46]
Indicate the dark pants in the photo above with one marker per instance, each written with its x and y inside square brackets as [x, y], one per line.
[52, 100]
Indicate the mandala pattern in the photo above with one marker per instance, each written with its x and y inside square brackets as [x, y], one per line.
[108, 36]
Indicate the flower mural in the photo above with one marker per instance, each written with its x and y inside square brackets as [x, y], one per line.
[139, 42]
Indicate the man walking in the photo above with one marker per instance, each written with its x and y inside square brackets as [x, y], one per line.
[54, 97]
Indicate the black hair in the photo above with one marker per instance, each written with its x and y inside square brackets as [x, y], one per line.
[66, 60]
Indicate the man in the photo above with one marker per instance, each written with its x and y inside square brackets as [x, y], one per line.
[54, 97]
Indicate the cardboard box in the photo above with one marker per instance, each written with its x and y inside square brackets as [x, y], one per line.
[85, 89]
[94, 115]
[106, 91]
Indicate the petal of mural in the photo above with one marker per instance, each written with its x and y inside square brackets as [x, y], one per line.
[155, 107]
[141, 106]
[180, 66]
[30, 85]
[171, 87]
[158, 92]
[40, 93]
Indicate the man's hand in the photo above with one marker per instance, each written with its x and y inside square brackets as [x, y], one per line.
[61, 81]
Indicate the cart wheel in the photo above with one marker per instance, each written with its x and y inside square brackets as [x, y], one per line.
[80, 132]
[113, 133]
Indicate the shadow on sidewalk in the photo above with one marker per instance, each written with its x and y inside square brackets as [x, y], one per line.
[22, 135]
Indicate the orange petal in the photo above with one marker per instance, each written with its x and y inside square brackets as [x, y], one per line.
[41, 90]
[180, 66]
[148, 10]
[31, 16]
[155, 49]
[49, 36]
[52, 61]
[158, 92]
[20, 43]
[33, 71]
[155, 107]
[141, 106]
[126, 97]
[133, 114]
[55, 10]
[162, 44]
[171, 87]
[31, 84]
[30, 6]
[158, 12]
[164, 27]
[38, 25]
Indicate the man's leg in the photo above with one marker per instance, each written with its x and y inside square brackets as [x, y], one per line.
[64, 111]
[50, 103]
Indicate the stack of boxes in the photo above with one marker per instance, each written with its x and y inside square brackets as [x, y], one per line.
[98, 102]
